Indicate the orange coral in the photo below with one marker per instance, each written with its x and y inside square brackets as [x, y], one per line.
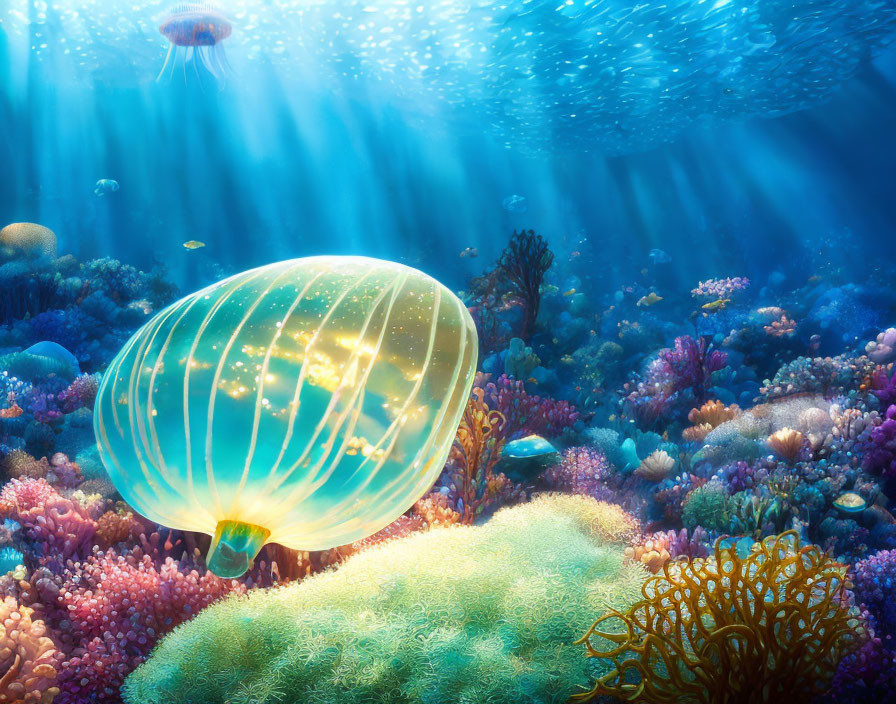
[709, 416]
[475, 452]
[29, 659]
[29, 239]
[653, 553]
[769, 627]
[115, 527]
[783, 327]
[786, 443]
[14, 411]
[436, 510]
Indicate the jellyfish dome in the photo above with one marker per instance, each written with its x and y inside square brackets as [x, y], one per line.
[195, 32]
[308, 403]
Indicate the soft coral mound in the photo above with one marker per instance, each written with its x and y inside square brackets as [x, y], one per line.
[461, 614]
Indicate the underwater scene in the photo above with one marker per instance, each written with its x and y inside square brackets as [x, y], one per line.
[447, 352]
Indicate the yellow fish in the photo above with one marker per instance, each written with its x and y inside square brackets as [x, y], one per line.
[570, 292]
[648, 300]
[715, 306]
[193, 244]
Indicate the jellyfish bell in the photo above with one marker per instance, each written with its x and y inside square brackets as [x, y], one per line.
[307, 403]
[195, 32]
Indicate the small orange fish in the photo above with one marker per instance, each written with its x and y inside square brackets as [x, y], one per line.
[193, 244]
[532, 380]
[570, 292]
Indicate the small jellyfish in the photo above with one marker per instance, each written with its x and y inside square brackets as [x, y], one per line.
[105, 185]
[196, 31]
[515, 204]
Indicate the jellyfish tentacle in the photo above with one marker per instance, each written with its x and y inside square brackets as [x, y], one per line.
[168, 62]
[221, 57]
[206, 55]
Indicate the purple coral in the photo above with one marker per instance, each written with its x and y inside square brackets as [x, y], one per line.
[583, 470]
[874, 585]
[81, 393]
[880, 457]
[687, 366]
[883, 386]
[690, 363]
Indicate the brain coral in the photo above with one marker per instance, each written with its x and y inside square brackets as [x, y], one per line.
[469, 614]
[28, 239]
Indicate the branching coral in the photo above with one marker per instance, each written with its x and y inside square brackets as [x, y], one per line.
[474, 454]
[720, 288]
[526, 414]
[769, 627]
[686, 368]
[524, 263]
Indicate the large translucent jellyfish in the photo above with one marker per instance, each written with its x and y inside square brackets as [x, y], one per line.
[307, 403]
[195, 31]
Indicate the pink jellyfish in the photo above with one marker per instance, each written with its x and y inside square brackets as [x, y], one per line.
[196, 30]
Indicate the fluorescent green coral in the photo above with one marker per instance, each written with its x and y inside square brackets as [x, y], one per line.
[460, 615]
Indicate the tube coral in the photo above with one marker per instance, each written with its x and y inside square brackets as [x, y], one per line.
[769, 627]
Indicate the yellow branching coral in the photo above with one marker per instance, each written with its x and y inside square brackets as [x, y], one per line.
[474, 454]
[769, 627]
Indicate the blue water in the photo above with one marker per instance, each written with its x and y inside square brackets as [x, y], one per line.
[754, 135]
[654, 145]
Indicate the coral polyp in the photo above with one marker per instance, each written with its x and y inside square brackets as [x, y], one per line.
[307, 403]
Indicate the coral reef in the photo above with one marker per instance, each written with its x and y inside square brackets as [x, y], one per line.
[656, 437]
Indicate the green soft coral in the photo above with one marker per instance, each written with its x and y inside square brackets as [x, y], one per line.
[458, 615]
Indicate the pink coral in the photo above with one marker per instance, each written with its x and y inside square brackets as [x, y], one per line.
[112, 608]
[526, 414]
[81, 393]
[720, 288]
[58, 528]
